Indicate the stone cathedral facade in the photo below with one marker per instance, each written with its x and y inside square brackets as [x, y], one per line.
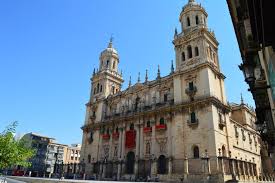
[179, 126]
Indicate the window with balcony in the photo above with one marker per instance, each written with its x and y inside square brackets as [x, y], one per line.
[161, 121]
[196, 152]
[132, 127]
[191, 86]
[148, 124]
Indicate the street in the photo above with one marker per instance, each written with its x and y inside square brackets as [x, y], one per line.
[8, 180]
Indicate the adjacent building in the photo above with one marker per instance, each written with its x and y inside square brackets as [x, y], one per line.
[51, 157]
[39, 161]
[55, 158]
[253, 22]
[179, 126]
[72, 154]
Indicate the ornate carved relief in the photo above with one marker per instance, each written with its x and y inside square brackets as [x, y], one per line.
[162, 144]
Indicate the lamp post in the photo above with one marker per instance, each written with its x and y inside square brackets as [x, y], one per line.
[248, 70]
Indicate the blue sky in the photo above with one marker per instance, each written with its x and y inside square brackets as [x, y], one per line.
[48, 50]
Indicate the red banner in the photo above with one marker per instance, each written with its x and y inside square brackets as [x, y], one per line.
[130, 139]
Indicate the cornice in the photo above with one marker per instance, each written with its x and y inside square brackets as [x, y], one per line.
[180, 107]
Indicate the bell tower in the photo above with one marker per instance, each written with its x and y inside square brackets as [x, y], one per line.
[195, 44]
[196, 52]
[107, 80]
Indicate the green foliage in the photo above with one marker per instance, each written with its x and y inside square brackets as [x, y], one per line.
[13, 152]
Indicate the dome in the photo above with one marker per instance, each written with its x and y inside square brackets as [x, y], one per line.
[191, 3]
[110, 49]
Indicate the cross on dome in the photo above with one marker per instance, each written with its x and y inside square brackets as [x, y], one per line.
[111, 42]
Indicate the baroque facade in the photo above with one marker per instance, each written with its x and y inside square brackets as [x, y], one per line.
[175, 127]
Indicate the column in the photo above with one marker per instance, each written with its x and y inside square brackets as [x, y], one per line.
[118, 170]
[141, 148]
[206, 163]
[169, 129]
[208, 167]
[100, 170]
[123, 152]
[153, 164]
[185, 168]
[170, 166]
[221, 164]
[104, 171]
[244, 169]
[237, 170]
[137, 128]
[233, 171]
[110, 146]
[92, 168]
[120, 145]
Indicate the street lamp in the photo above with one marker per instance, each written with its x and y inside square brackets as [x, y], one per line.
[248, 70]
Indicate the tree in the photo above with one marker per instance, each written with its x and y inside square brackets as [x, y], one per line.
[13, 152]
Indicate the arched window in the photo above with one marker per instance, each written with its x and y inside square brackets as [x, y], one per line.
[100, 88]
[196, 51]
[182, 56]
[107, 63]
[162, 165]
[196, 152]
[161, 121]
[188, 22]
[91, 137]
[108, 131]
[117, 130]
[97, 88]
[223, 151]
[197, 20]
[89, 158]
[189, 50]
[114, 65]
[193, 117]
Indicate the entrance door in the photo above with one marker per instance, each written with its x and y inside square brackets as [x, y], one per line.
[162, 165]
[130, 163]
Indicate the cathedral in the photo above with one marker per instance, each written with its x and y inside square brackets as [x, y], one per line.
[178, 127]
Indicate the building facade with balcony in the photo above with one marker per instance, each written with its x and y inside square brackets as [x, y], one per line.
[179, 126]
[55, 158]
[253, 22]
[39, 162]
